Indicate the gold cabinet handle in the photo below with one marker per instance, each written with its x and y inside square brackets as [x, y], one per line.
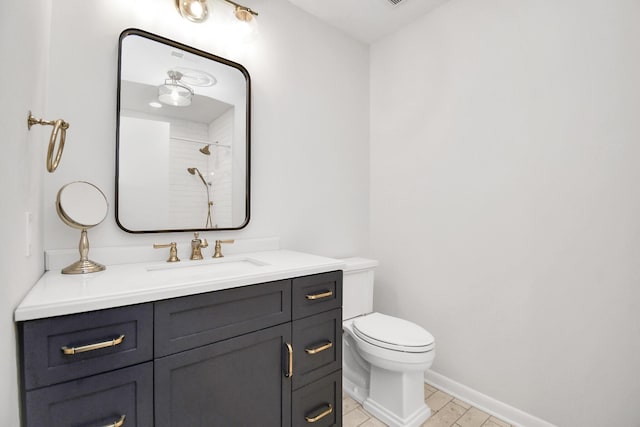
[321, 415]
[289, 372]
[118, 423]
[90, 347]
[318, 349]
[325, 294]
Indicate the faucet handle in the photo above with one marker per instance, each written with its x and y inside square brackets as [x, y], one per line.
[218, 248]
[173, 250]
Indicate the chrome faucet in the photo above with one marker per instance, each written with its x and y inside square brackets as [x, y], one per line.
[196, 246]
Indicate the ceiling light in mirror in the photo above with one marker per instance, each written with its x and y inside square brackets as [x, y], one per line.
[194, 77]
[174, 92]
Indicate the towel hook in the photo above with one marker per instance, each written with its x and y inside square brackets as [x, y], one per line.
[59, 127]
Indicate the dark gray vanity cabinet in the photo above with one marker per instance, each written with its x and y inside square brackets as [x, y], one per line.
[263, 355]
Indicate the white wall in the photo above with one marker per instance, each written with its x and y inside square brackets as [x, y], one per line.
[145, 164]
[22, 166]
[309, 172]
[504, 199]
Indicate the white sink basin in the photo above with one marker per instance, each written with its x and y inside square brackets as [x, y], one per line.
[206, 269]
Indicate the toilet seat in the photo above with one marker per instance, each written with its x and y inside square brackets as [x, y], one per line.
[392, 333]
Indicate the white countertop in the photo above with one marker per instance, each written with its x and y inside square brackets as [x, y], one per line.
[57, 294]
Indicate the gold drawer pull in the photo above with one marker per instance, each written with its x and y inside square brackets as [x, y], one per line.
[318, 349]
[91, 347]
[321, 415]
[289, 372]
[118, 423]
[325, 294]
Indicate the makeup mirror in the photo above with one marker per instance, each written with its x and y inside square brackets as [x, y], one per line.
[82, 205]
[183, 137]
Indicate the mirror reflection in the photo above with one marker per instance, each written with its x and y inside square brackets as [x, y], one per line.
[183, 138]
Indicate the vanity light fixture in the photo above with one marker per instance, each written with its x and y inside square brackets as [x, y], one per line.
[174, 92]
[193, 10]
[243, 13]
[245, 25]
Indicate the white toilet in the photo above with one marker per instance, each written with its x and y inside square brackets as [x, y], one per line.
[384, 358]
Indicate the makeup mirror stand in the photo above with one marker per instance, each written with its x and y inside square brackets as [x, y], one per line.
[84, 264]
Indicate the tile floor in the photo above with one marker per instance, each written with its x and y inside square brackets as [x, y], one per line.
[446, 411]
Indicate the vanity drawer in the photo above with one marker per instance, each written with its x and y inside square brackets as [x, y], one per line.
[317, 293]
[100, 400]
[197, 320]
[317, 347]
[319, 404]
[63, 348]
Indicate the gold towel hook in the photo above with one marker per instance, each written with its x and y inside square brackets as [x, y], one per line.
[59, 126]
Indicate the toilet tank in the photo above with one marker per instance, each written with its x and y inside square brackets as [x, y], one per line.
[357, 287]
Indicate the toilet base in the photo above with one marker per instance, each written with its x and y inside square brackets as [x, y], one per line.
[357, 393]
[393, 420]
[397, 398]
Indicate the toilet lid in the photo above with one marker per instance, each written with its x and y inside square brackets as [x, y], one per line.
[393, 333]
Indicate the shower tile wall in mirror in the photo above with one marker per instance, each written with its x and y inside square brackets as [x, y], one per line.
[183, 138]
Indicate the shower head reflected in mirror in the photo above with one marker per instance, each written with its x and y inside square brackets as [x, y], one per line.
[193, 171]
[205, 150]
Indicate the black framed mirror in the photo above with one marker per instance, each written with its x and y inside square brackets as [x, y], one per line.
[183, 138]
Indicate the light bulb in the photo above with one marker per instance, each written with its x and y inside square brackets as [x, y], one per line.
[193, 10]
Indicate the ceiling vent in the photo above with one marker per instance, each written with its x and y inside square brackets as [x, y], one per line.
[395, 2]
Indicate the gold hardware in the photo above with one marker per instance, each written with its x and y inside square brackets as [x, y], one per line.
[242, 13]
[173, 251]
[318, 349]
[118, 423]
[325, 294]
[90, 347]
[193, 171]
[196, 246]
[218, 248]
[289, 372]
[84, 265]
[321, 415]
[59, 126]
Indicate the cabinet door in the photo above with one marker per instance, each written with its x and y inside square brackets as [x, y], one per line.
[317, 347]
[319, 404]
[237, 382]
[121, 397]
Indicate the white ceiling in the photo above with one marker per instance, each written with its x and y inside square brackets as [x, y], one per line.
[367, 20]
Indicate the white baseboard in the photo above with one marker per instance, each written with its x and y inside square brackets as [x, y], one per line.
[483, 402]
